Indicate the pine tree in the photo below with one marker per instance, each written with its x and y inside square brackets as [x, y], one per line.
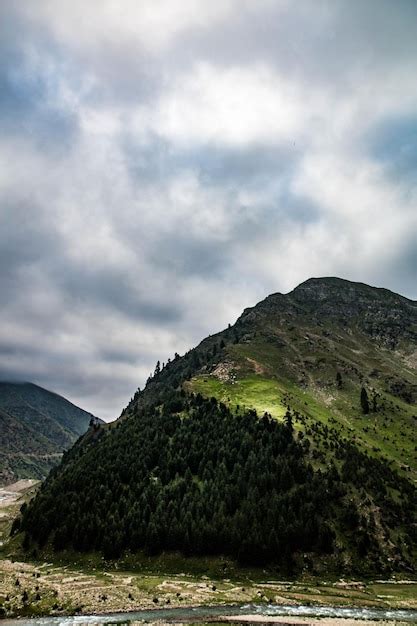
[288, 421]
[364, 401]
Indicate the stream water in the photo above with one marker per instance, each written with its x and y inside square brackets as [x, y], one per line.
[202, 614]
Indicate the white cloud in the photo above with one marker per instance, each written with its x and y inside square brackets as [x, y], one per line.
[151, 25]
[236, 106]
[194, 168]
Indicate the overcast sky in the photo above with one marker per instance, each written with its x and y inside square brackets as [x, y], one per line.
[165, 163]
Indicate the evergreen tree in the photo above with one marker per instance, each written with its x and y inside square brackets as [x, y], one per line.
[288, 421]
[364, 401]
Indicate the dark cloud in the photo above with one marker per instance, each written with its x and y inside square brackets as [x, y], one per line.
[198, 258]
[111, 289]
[329, 42]
[28, 85]
[162, 167]
[230, 166]
[25, 240]
[403, 267]
[394, 144]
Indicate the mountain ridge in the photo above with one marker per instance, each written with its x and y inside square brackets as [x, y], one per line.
[37, 425]
[336, 383]
[332, 282]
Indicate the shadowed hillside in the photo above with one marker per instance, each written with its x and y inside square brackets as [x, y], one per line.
[36, 427]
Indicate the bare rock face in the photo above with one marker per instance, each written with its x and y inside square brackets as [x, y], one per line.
[388, 318]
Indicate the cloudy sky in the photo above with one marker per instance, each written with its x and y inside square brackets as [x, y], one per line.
[165, 163]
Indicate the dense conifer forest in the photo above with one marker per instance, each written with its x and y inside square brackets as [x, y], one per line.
[190, 475]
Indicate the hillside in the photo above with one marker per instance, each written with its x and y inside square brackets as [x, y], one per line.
[291, 349]
[287, 439]
[36, 427]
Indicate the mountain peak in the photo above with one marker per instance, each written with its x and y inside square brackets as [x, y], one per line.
[386, 316]
[326, 280]
[341, 289]
[323, 288]
[333, 283]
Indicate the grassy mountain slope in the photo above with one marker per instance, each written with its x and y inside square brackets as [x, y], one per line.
[289, 348]
[36, 426]
[317, 482]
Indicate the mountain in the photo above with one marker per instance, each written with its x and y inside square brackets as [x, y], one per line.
[287, 439]
[36, 427]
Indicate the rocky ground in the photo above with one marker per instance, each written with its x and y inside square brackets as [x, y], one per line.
[11, 499]
[45, 588]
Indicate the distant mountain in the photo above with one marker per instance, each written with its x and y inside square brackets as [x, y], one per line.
[288, 439]
[36, 426]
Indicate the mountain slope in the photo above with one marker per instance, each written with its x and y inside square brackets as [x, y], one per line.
[326, 478]
[289, 349]
[36, 426]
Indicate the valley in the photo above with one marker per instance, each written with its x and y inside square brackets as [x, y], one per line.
[273, 464]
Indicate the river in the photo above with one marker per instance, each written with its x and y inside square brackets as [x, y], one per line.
[202, 614]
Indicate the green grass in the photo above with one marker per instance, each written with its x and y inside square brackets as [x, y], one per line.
[390, 434]
[253, 392]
